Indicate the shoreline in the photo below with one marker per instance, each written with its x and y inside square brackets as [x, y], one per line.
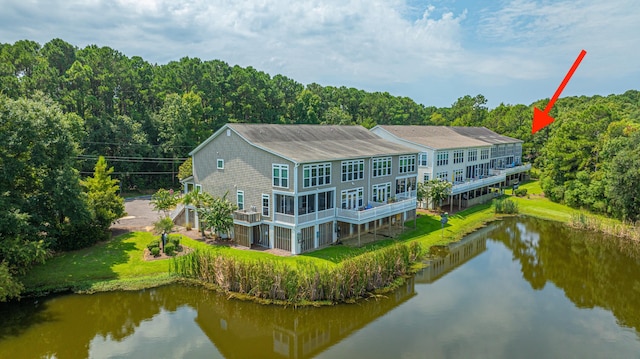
[462, 224]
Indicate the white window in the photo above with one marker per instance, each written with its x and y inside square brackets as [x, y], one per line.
[220, 165]
[443, 176]
[484, 154]
[458, 156]
[381, 192]
[281, 176]
[458, 175]
[473, 155]
[381, 167]
[352, 170]
[265, 205]
[422, 159]
[240, 198]
[407, 164]
[443, 158]
[426, 177]
[199, 188]
[316, 175]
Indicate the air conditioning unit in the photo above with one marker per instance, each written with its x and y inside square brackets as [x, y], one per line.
[253, 209]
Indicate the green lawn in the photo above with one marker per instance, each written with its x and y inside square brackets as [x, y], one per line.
[119, 264]
[536, 205]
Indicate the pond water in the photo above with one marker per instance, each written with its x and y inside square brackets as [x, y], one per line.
[520, 288]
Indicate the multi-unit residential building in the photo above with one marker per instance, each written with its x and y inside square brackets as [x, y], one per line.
[474, 159]
[300, 187]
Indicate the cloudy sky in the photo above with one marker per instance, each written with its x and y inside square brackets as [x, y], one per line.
[434, 51]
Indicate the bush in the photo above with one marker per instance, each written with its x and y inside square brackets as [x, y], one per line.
[155, 251]
[169, 249]
[175, 239]
[505, 206]
[79, 236]
[154, 244]
[521, 192]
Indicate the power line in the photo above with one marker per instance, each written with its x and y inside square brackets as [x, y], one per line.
[158, 160]
[133, 173]
[133, 144]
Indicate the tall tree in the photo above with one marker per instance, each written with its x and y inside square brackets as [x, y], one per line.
[622, 180]
[41, 197]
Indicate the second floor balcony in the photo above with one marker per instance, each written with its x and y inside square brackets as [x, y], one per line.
[375, 211]
[509, 170]
[461, 187]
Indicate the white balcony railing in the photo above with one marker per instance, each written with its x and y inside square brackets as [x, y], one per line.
[478, 183]
[304, 218]
[511, 170]
[406, 195]
[376, 211]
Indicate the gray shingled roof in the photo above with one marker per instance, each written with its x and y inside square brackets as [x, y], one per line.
[312, 143]
[445, 137]
[484, 134]
[436, 137]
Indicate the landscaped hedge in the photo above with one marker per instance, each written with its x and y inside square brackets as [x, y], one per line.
[274, 280]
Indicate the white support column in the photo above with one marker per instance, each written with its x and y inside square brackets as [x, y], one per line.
[294, 241]
[271, 236]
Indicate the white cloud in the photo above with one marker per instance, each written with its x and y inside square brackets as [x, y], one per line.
[608, 30]
[440, 51]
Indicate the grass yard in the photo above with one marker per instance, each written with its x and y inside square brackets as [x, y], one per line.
[536, 205]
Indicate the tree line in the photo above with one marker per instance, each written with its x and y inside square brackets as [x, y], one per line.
[62, 107]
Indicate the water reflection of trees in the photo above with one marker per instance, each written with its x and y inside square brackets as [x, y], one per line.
[65, 326]
[593, 270]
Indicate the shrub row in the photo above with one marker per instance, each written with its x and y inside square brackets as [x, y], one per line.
[274, 280]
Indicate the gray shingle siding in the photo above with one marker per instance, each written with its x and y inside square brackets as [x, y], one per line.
[246, 168]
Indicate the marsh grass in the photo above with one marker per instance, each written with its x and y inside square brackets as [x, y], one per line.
[309, 281]
[505, 206]
[626, 230]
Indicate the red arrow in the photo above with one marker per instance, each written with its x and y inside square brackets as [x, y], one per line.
[541, 119]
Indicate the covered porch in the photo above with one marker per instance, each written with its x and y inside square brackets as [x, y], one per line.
[375, 221]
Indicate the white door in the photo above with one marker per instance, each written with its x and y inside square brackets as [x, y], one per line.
[351, 198]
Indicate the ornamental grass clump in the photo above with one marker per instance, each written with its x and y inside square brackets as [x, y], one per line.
[274, 280]
[505, 206]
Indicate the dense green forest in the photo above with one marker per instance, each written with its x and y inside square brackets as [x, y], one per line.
[61, 107]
